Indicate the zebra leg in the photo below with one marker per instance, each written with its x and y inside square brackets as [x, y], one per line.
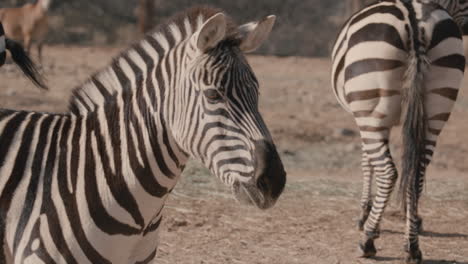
[420, 185]
[386, 175]
[419, 221]
[366, 201]
[413, 220]
[411, 234]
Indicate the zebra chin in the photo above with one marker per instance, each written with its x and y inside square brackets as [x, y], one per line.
[264, 189]
[249, 194]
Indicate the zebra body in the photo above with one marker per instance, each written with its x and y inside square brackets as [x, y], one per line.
[396, 59]
[89, 186]
[58, 199]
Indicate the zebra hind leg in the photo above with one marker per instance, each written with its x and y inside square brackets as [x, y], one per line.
[414, 254]
[419, 221]
[386, 176]
[366, 200]
[413, 220]
[365, 211]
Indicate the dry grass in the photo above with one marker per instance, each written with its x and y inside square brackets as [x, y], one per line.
[315, 219]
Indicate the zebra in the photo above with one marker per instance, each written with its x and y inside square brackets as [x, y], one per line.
[398, 59]
[89, 186]
[21, 59]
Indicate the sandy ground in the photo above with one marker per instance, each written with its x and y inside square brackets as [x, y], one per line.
[315, 220]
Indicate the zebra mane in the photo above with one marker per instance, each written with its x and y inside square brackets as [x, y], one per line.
[93, 88]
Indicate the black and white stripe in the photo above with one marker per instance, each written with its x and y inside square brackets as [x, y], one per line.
[397, 58]
[89, 186]
[20, 58]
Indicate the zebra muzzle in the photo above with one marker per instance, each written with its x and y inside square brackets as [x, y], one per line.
[269, 180]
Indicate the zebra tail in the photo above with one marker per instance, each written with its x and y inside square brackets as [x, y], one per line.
[25, 63]
[414, 126]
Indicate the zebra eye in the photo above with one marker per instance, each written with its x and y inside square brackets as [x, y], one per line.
[213, 95]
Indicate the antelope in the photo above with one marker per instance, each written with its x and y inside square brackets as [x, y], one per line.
[27, 23]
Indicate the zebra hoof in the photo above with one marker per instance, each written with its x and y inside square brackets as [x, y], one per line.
[367, 249]
[414, 257]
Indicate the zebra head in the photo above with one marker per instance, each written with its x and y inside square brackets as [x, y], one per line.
[219, 122]
[2, 46]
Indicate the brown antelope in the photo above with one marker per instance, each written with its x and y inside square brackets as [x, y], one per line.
[20, 58]
[143, 12]
[27, 23]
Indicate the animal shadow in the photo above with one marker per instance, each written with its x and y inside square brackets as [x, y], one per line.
[385, 259]
[391, 232]
[432, 261]
[443, 235]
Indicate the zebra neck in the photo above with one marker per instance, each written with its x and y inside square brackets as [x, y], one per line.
[140, 134]
[124, 110]
[111, 164]
[136, 157]
[126, 105]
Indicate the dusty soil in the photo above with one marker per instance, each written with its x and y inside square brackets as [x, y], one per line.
[315, 220]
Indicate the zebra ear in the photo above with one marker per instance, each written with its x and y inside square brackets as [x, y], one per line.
[255, 33]
[211, 32]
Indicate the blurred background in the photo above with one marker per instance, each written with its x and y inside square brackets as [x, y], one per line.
[86, 22]
[315, 219]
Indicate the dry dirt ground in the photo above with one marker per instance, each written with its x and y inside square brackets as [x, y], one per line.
[315, 219]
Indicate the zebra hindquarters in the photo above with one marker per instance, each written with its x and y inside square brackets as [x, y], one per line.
[373, 94]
